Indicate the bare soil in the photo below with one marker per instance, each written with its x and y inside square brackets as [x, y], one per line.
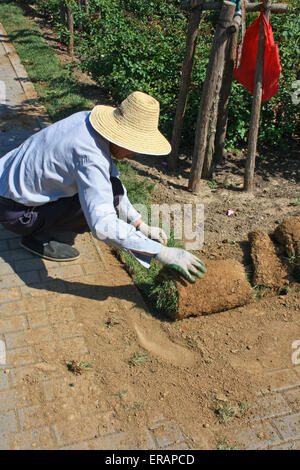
[146, 367]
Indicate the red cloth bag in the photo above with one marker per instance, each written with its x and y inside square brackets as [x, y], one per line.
[245, 72]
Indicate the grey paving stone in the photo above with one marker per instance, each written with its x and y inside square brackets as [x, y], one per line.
[4, 442]
[119, 441]
[6, 268]
[292, 445]
[18, 374]
[29, 337]
[29, 265]
[4, 381]
[8, 400]
[282, 379]
[256, 436]
[8, 422]
[19, 306]
[77, 430]
[20, 357]
[270, 406]
[181, 446]
[5, 235]
[3, 245]
[35, 439]
[16, 323]
[78, 446]
[29, 417]
[288, 426]
[293, 397]
[168, 434]
[15, 280]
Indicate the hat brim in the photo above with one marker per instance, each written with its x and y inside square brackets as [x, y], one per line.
[103, 120]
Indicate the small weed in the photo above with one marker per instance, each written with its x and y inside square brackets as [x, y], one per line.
[296, 201]
[121, 393]
[112, 320]
[77, 367]
[212, 184]
[224, 445]
[139, 358]
[292, 259]
[86, 365]
[226, 184]
[259, 290]
[228, 410]
[137, 405]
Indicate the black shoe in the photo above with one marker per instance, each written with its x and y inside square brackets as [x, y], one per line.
[52, 250]
[62, 237]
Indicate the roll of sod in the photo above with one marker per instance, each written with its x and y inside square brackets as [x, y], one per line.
[223, 287]
[288, 234]
[269, 271]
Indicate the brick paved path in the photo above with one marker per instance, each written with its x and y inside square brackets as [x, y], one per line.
[35, 331]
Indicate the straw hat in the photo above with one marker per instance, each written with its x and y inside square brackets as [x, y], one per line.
[133, 125]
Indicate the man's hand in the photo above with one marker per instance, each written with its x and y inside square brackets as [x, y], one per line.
[155, 233]
[182, 261]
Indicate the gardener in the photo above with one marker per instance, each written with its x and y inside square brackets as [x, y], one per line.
[63, 180]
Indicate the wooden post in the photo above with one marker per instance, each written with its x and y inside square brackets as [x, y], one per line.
[80, 19]
[207, 170]
[191, 41]
[87, 6]
[62, 11]
[71, 30]
[256, 104]
[230, 55]
[208, 91]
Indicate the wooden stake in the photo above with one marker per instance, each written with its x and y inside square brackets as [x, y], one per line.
[87, 6]
[62, 11]
[208, 93]
[191, 41]
[71, 30]
[207, 170]
[256, 103]
[80, 19]
[230, 55]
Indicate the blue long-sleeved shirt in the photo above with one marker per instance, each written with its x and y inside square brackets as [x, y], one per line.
[67, 158]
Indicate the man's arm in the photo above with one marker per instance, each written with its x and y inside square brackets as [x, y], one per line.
[96, 198]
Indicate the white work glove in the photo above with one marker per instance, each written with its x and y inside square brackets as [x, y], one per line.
[182, 261]
[155, 233]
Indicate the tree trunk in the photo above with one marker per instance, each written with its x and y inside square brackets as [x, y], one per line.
[62, 11]
[256, 106]
[216, 61]
[191, 41]
[71, 31]
[221, 128]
